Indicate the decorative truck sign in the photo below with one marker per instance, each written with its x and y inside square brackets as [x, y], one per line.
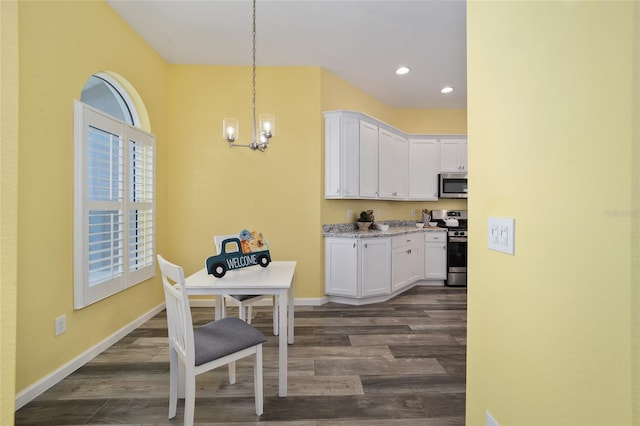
[247, 250]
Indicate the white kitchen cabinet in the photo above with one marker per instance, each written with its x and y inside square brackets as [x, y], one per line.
[435, 256]
[341, 266]
[375, 266]
[393, 161]
[453, 155]
[368, 160]
[423, 169]
[406, 260]
[357, 267]
[342, 155]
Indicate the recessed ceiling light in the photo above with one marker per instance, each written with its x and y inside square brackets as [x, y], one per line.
[446, 89]
[403, 70]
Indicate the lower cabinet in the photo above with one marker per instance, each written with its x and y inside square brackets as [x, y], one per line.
[341, 266]
[370, 270]
[375, 266]
[435, 256]
[357, 267]
[406, 260]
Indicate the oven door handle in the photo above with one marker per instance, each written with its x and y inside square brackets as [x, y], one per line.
[457, 239]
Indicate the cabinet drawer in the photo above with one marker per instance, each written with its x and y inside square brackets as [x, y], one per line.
[435, 236]
[405, 240]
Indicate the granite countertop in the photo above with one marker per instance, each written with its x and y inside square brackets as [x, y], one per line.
[396, 227]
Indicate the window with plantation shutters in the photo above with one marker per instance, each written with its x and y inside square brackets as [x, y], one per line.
[114, 229]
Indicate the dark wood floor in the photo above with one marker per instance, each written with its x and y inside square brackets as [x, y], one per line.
[401, 362]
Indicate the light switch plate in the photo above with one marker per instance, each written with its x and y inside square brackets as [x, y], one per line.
[489, 420]
[502, 234]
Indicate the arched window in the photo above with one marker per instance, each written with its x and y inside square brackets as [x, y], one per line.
[114, 203]
[103, 92]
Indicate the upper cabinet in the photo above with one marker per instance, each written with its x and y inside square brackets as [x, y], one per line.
[393, 161]
[342, 155]
[423, 169]
[368, 159]
[453, 155]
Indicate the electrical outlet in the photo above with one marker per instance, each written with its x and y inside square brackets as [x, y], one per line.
[413, 212]
[378, 214]
[60, 325]
[349, 214]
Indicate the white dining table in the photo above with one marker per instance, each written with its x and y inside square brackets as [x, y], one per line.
[276, 278]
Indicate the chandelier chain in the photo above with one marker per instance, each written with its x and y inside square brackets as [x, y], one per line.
[255, 140]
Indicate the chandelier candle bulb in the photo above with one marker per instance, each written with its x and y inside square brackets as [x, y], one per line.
[230, 129]
[267, 125]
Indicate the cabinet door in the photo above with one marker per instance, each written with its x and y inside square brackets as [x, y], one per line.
[400, 167]
[453, 155]
[368, 160]
[406, 266]
[407, 260]
[393, 162]
[463, 155]
[341, 156]
[415, 263]
[333, 160]
[386, 159]
[435, 259]
[423, 169]
[375, 266]
[341, 266]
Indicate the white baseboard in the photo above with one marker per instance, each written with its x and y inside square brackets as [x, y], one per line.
[32, 392]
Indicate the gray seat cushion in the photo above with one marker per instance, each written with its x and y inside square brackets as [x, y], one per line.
[223, 337]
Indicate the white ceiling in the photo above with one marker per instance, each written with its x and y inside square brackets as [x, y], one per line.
[361, 41]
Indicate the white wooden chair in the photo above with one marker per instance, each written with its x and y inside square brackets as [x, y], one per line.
[204, 348]
[245, 301]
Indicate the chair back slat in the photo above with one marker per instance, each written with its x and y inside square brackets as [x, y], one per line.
[179, 322]
[218, 239]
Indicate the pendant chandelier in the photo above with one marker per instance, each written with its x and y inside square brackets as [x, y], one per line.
[262, 130]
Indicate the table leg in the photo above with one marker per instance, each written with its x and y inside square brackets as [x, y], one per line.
[282, 351]
[291, 308]
[219, 306]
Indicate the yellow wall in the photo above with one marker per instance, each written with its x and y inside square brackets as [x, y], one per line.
[550, 144]
[635, 239]
[8, 205]
[61, 44]
[214, 189]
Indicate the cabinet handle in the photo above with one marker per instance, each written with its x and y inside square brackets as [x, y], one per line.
[354, 245]
[444, 247]
[366, 245]
[409, 251]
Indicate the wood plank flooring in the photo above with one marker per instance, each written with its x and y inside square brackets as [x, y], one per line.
[398, 363]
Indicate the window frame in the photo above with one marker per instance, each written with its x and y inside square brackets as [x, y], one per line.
[85, 117]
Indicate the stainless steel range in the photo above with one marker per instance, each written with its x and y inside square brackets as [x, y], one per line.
[456, 223]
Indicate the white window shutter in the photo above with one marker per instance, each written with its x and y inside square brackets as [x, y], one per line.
[114, 205]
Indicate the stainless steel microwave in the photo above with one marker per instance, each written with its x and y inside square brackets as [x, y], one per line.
[453, 185]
